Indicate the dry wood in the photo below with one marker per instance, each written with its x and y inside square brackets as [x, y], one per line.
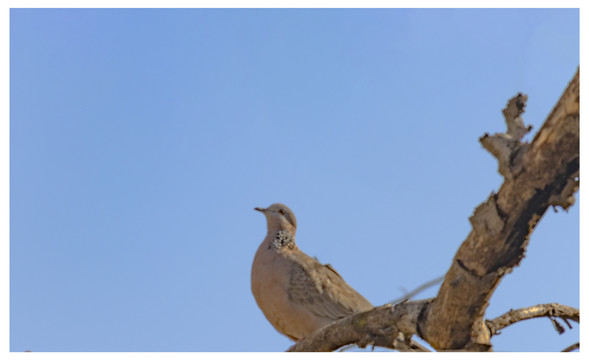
[542, 310]
[538, 175]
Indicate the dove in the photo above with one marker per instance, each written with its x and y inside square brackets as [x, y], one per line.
[296, 293]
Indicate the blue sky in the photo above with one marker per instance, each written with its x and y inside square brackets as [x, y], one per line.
[141, 141]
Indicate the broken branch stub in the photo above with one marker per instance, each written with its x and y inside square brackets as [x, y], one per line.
[507, 147]
[537, 175]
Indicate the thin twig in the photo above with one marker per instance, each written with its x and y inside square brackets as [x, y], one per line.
[559, 328]
[421, 288]
[542, 310]
[572, 347]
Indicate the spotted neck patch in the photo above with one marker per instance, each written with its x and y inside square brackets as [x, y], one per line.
[284, 240]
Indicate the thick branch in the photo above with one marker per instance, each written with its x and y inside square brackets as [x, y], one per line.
[542, 310]
[537, 175]
[382, 326]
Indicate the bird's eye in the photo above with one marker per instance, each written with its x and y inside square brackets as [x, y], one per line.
[281, 211]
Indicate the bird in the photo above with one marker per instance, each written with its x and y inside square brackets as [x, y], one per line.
[297, 294]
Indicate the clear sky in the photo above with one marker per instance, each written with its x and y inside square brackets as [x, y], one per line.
[141, 141]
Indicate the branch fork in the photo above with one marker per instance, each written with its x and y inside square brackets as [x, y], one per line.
[537, 175]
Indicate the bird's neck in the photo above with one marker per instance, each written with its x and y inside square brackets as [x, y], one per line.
[281, 239]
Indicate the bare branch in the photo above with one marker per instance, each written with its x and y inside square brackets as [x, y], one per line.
[538, 175]
[386, 326]
[542, 310]
[419, 289]
[572, 347]
[505, 145]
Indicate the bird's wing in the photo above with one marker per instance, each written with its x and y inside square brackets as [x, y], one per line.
[321, 290]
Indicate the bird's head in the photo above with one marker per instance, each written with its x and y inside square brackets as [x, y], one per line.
[279, 217]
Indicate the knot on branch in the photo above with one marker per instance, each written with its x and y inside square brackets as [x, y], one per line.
[507, 147]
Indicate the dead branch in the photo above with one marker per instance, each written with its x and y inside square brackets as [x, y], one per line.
[542, 310]
[387, 326]
[537, 175]
[417, 290]
[572, 347]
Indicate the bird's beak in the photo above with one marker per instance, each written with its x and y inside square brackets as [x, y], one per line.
[260, 209]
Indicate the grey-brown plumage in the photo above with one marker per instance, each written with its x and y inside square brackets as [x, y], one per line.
[296, 293]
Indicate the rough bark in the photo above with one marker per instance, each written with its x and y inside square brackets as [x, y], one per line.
[381, 326]
[547, 310]
[538, 175]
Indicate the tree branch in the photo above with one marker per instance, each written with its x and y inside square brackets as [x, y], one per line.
[537, 175]
[387, 326]
[419, 289]
[572, 347]
[542, 310]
